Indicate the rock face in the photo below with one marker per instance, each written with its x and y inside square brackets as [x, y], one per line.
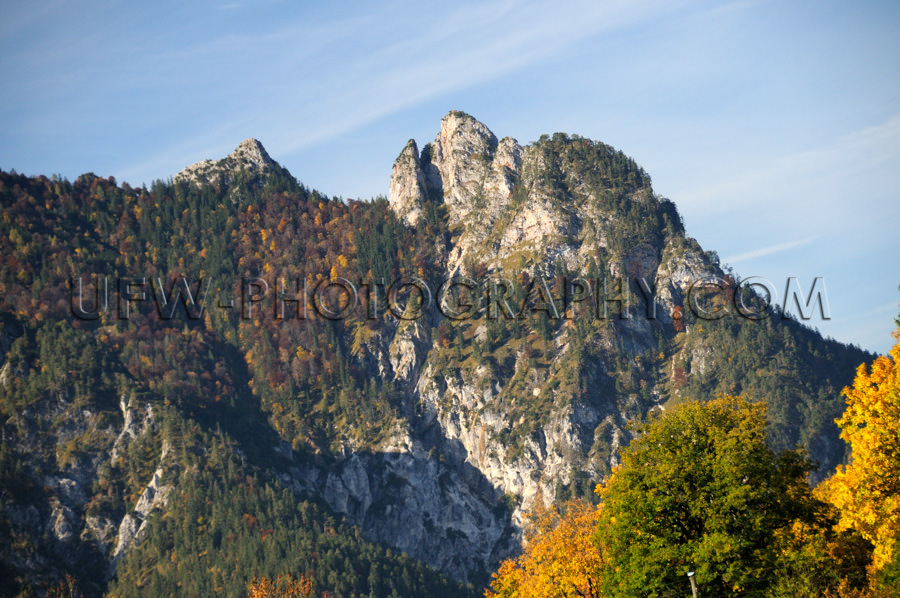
[405, 496]
[535, 210]
[408, 190]
[79, 538]
[154, 496]
[250, 155]
[497, 196]
[249, 160]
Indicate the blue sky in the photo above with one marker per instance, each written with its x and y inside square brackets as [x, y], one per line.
[774, 126]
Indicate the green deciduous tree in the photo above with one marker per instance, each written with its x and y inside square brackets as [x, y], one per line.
[699, 490]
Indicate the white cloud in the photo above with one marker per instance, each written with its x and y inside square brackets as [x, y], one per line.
[766, 251]
[357, 69]
[838, 161]
[318, 83]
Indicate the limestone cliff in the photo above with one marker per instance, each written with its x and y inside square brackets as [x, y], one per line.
[538, 210]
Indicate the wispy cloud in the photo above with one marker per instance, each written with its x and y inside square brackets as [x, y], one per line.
[345, 75]
[455, 50]
[765, 251]
[841, 159]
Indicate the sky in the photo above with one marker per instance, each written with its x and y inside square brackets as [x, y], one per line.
[773, 126]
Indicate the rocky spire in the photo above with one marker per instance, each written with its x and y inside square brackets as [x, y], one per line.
[407, 191]
[461, 155]
[464, 167]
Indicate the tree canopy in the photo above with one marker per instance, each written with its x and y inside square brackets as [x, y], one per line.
[867, 490]
[699, 490]
[559, 559]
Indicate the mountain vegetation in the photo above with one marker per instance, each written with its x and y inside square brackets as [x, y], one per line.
[700, 493]
[867, 490]
[228, 377]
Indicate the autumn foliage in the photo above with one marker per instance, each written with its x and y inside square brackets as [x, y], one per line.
[283, 586]
[559, 558]
[867, 490]
[698, 490]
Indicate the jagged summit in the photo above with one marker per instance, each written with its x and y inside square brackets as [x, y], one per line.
[464, 159]
[408, 187]
[562, 198]
[250, 157]
[252, 152]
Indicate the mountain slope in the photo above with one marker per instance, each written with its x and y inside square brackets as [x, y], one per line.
[570, 205]
[428, 429]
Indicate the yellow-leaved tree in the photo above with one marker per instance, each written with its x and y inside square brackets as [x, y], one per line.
[867, 490]
[559, 559]
[283, 586]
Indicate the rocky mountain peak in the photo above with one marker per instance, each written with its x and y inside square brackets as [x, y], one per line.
[249, 157]
[464, 167]
[466, 423]
[465, 136]
[408, 188]
[461, 156]
[252, 153]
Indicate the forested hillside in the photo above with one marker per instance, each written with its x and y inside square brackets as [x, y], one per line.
[191, 397]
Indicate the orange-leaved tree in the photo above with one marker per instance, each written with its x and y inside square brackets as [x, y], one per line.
[283, 586]
[559, 558]
[867, 490]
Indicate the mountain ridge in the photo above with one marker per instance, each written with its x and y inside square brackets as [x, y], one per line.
[431, 435]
